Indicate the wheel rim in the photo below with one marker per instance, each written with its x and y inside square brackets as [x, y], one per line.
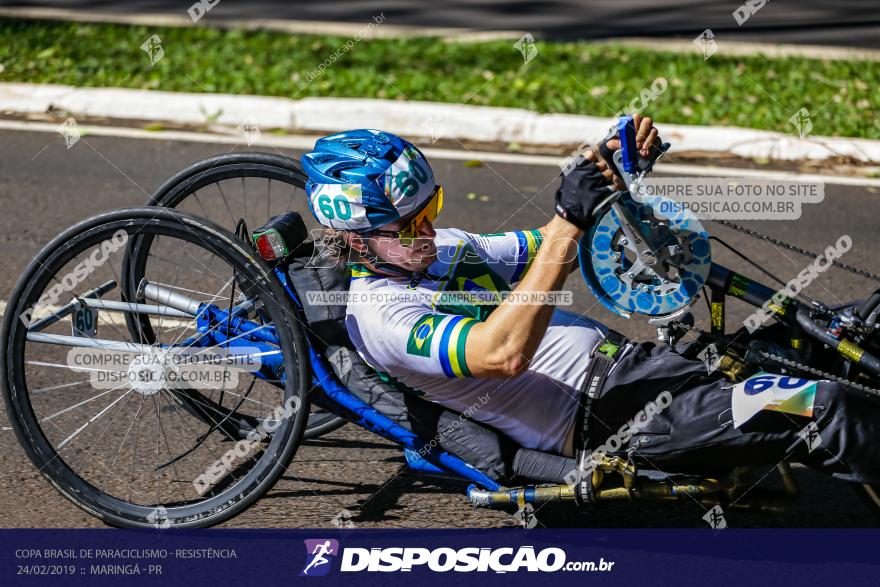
[225, 189]
[68, 431]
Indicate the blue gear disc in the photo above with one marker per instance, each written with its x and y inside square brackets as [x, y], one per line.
[605, 262]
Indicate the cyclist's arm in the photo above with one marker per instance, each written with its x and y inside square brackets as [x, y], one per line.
[543, 230]
[505, 343]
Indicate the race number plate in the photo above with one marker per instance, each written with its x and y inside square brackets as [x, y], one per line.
[84, 322]
[765, 391]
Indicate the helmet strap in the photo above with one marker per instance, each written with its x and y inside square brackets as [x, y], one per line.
[390, 269]
[378, 265]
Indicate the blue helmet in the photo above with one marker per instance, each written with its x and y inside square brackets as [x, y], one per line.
[360, 180]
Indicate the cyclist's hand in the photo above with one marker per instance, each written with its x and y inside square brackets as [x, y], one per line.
[609, 175]
[647, 140]
[580, 191]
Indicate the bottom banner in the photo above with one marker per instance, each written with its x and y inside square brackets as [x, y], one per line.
[435, 557]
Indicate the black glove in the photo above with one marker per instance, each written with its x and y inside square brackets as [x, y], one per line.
[579, 193]
[608, 154]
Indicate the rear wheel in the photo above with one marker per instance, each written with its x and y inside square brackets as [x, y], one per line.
[125, 440]
[870, 496]
[249, 187]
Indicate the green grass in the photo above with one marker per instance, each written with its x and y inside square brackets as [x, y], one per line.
[577, 78]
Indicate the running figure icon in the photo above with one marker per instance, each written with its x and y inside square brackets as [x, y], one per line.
[319, 555]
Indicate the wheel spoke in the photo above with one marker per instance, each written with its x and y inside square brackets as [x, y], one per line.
[60, 386]
[74, 406]
[244, 197]
[225, 202]
[93, 419]
[104, 425]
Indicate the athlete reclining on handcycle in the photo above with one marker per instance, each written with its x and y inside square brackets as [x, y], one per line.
[420, 317]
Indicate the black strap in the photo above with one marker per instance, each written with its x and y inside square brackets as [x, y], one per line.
[724, 342]
[606, 153]
[602, 359]
[693, 349]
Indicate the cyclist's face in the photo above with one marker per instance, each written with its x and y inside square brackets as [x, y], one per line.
[412, 254]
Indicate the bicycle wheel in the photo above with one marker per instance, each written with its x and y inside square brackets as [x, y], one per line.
[870, 496]
[122, 428]
[244, 186]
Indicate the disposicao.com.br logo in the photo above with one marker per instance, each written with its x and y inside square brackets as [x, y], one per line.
[445, 559]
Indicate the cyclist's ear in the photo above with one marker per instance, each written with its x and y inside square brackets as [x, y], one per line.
[355, 242]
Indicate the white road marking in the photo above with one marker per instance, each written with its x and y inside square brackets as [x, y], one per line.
[306, 142]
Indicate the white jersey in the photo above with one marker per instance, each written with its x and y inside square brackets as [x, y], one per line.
[410, 332]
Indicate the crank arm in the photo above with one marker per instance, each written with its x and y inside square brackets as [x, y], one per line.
[630, 228]
[646, 252]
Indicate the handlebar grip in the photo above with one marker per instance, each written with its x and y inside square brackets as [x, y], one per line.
[626, 130]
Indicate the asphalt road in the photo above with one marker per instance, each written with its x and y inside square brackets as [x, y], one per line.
[848, 23]
[45, 187]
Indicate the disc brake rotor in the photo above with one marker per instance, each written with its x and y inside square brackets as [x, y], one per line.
[666, 278]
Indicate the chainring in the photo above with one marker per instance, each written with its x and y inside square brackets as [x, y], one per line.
[624, 284]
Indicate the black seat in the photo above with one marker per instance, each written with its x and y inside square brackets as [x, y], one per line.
[481, 446]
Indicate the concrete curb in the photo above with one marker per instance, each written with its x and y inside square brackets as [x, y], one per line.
[412, 119]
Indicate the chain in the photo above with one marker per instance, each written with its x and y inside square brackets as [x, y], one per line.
[790, 247]
[788, 362]
[870, 391]
[822, 374]
[875, 393]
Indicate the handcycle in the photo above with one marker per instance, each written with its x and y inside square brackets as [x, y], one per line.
[105, 325]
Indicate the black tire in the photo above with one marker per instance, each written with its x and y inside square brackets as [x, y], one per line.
[226, 498]
[870, 495]
[229, 167]
[322, 422]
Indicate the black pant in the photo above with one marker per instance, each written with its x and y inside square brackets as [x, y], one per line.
[695, 432]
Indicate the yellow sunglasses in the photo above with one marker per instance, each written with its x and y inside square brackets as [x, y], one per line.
[410, 232]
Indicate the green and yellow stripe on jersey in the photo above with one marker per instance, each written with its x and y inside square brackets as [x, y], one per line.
[528, 243]
[359, 271]
[452, 343]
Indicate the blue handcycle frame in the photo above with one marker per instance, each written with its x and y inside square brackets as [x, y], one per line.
[231, 329]
[329, 393]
